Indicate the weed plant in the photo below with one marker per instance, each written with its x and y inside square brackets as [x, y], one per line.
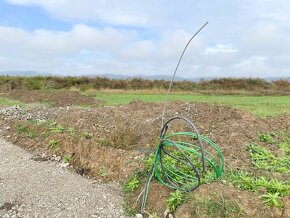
[103, 172]
[272, 199]
[52, 144]
[71, 131]
[67, 158]
[31, 134]
[205, 207]
[132, 184]
[57, 129]
[175, 199]
[264, 159]
[20, 129]
[86, 135]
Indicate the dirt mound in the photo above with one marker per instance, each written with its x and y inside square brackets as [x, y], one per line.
[110, 142]
[223, 201]
[63, 98]
[137, 126]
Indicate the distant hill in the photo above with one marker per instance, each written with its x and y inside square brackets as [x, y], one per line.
[24, 73]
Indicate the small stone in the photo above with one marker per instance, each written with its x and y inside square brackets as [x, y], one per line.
[64, 165]
[138, 215]
[166, 212]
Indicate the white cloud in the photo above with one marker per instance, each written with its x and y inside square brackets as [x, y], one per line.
[220, 48]
[85, 48]
[147, 37]
[265, 38]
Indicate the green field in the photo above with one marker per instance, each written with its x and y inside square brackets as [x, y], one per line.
[8, 102]
[261, 106]
[258, 105]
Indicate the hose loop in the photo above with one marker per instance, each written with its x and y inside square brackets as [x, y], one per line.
[179, 163]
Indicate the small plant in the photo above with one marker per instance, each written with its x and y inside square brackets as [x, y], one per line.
[284, 146]
[132, 184]
[45, 134]
[129, 211]
[103, 172]
[57, 129]
[266, 138]
[50, 123]
[149, 161]
[274, 188]
[207, 177]
[33, 122]
[86, 135]
[262, 158]
[272, 199]
[205, 207]
[31, 135]
[52, 144]
[104, 142]
[67, 158]
[175, 199]
[20, 129]
[71, 131]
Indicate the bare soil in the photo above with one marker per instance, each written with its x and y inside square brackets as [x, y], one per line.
[111, 142]
[61, 98]
[250, 205]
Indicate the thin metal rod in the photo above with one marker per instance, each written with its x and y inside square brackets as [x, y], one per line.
[172, 79]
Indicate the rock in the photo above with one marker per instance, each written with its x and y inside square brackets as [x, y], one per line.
[64, 165]
[166, 212]
[138, 215]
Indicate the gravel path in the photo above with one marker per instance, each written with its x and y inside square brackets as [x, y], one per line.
[30, 188]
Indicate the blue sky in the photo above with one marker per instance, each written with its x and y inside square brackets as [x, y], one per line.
[69, 37]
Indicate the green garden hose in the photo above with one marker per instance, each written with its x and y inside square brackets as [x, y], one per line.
[180, 164]
[180, 160]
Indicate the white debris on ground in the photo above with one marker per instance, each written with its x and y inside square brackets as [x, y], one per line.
[38, 113]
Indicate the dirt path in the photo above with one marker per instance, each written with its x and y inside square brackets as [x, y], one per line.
[30, 188]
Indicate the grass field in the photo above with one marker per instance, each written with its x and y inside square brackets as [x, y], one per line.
[8, 102]
[259, 105]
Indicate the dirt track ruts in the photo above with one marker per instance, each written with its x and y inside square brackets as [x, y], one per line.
[30, 188]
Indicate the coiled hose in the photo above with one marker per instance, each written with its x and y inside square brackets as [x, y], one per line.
[180, 164]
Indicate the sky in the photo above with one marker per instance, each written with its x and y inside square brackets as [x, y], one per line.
[244, 38]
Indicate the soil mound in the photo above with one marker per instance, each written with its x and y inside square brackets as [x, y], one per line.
[63, 98]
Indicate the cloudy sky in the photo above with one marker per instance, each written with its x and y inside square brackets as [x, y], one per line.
[244, 38]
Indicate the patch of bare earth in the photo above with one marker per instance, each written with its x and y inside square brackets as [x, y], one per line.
[231, 202]
[119, 138]
[61, 98]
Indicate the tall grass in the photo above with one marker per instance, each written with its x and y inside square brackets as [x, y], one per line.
[222, 85]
